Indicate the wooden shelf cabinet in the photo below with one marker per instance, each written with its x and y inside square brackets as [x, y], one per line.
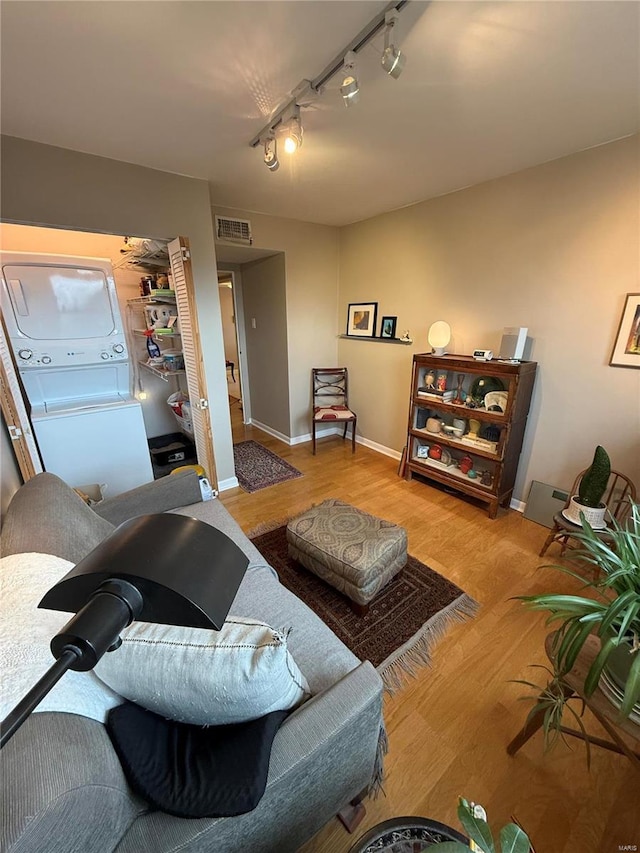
[466, 424]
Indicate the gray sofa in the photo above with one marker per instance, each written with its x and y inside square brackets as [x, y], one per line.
[63, 788]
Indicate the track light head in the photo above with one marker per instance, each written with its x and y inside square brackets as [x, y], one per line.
[292, 133]
[271, 154]
[350, 88]
[393, 59]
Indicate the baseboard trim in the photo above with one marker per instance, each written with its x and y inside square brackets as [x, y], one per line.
[321, 433]
[519, 506]
[270, 431]
[379, 448]
[229, 483]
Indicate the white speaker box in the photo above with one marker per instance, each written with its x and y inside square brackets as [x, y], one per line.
[512, 344]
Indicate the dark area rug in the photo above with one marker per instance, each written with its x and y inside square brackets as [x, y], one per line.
[257, 467]
[404, 620]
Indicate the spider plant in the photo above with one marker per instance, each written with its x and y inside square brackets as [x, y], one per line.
[612, 609]
[512, 838]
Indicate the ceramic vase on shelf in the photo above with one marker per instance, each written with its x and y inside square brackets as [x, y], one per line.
[459, 396]
[474, 427]
[466, 464]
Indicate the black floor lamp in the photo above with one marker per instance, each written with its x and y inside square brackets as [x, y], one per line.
[158, 568]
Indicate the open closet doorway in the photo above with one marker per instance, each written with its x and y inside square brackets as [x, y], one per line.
[93, 394]
[229, 289]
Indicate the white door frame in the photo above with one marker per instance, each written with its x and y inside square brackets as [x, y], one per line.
[241, 340]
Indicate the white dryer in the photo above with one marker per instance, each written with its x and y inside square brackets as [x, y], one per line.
[64, 325]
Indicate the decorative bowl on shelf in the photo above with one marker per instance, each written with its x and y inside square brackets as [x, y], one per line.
[496, 400]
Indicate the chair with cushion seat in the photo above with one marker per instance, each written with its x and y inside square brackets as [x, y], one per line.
[619, 493]
[330, 389]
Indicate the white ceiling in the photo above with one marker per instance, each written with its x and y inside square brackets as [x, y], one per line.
[489, 88]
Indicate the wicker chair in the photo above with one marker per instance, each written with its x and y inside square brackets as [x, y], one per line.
[619, 493]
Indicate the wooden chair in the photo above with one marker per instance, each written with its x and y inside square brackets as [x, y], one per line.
[620, 491]
[330, 389]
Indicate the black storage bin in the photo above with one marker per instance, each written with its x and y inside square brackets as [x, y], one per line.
[172, 449]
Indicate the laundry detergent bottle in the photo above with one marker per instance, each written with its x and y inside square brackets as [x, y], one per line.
[152, 347]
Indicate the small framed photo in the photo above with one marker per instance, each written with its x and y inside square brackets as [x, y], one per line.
[361, 319]
[388, 327]
[423, 451]
[626, 350]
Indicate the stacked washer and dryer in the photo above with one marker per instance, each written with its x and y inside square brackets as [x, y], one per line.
[65, 330]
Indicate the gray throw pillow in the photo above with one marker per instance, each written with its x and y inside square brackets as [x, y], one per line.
[47, 516]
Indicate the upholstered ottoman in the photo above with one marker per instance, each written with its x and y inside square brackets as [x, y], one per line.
[353, 551]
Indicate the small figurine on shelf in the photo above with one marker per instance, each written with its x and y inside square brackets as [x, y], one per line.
[435, 451]
[486, 478]
[406, 338]
[441, 383]
[460, 395]
[429, 380]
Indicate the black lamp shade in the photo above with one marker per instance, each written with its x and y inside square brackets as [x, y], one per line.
[187, 572]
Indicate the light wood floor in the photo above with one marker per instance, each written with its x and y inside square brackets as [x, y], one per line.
[449, 727]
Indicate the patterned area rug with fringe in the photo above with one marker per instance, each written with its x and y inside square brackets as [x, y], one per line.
[404, 620]
[257, 467]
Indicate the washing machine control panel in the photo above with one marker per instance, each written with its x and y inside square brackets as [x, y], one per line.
[68, 354]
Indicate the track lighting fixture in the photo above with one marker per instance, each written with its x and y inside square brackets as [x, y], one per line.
[285, 125]
[292, 132]
[350, 89]
[393, 60]
[271, 154]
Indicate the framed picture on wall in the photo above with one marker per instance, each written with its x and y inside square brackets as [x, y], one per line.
[626, 350]
[388, 327]
[361, 319]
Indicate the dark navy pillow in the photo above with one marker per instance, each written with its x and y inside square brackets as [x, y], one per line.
[194, 771]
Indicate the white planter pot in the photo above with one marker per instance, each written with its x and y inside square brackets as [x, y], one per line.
[594, 515]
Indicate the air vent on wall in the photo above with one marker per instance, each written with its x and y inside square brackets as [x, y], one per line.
[234, 230]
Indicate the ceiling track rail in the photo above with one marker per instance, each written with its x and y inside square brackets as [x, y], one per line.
[308, 90]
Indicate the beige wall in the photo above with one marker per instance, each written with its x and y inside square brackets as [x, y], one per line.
[44, 185]
[311, 266]
[554, 248]
[264, 301]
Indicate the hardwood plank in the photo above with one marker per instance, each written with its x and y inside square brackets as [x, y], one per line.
[449, 728]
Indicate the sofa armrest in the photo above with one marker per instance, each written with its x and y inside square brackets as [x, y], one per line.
[63, 788]
[324, 755]
[159, 496]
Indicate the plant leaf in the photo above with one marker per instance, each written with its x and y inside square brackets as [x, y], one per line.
[476, 829]
[615, 609]
[513, 839]
[595, 671]
[587, 742]
[584, 630]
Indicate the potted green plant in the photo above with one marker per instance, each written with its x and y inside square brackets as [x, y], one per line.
[512, 838]
[588, 501]
[611, 610]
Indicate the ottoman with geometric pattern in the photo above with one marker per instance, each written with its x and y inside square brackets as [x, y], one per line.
[353, 551]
